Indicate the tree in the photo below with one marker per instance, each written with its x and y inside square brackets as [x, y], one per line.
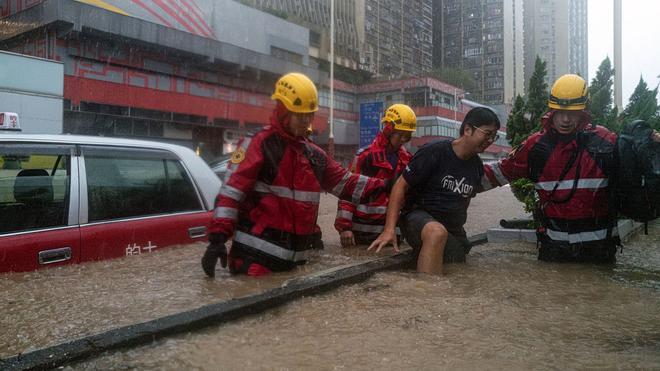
[642, 105]
[517, 125]
[601, 99]
[537, 94]
[525, 119]
[525, 116]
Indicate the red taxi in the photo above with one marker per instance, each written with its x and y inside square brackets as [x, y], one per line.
[69, 199]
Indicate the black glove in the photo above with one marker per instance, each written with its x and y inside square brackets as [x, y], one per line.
[216, 249]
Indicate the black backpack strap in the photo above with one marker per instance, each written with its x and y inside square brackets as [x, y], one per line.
[317, 159]
[539, 155]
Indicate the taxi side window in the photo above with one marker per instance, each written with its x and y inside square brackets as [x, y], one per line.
[126, 183]
[34, 187]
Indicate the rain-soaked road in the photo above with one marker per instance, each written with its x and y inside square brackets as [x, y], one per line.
[502, 309]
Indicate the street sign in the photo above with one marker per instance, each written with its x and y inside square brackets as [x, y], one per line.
[370, 114]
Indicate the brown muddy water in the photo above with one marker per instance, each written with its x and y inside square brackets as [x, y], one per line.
[51, 306]
[503, 309]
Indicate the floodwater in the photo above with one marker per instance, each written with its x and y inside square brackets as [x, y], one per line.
[503, 309]
[51, 306]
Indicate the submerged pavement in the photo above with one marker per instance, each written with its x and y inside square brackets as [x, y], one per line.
[52, 306]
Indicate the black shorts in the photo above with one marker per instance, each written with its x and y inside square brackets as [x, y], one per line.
[413, 222]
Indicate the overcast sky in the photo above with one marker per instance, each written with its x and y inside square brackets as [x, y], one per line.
[640, 39]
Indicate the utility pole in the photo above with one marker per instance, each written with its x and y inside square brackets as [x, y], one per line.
[618, 67]
[331, 135]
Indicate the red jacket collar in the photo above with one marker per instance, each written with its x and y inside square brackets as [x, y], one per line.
[380, 144]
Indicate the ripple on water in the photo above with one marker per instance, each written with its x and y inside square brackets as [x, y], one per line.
[503, 309]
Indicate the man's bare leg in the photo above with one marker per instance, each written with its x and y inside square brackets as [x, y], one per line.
[434, 239]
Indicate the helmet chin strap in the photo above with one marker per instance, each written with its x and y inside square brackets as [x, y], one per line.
[388, 129]
[283, 115]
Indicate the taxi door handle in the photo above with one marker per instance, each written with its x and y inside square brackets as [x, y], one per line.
[54, 255]
[197, 232]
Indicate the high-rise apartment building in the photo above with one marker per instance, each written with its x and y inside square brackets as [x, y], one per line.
[556, 31]
[398, 38]
[578, 51]
[315, 15]
[484, 38]
[388, 38]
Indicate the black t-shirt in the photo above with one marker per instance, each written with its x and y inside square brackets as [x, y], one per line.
[442, 184]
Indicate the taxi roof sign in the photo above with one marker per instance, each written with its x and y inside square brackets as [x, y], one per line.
[9, 121]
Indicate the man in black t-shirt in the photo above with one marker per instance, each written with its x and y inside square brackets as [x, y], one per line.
[437, 186]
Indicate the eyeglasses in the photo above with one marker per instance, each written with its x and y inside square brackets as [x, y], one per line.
[492, 136]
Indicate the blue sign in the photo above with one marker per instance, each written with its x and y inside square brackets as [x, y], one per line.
[370, 114]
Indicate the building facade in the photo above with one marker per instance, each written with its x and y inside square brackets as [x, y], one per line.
[556, 31]
[386, 38]
[315, 15]
[484, 38]
[399, 38]
[138, 70]
[147, 70]
[440, 109]
[578, 51]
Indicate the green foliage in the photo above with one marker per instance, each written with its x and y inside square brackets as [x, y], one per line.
[523, 190]
[537, 92]
[456, 77]
[525, 119]
[642, 105]
[601, 97]
[518, 127]
[525, 116]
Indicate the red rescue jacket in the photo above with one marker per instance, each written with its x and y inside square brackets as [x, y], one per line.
[571, 176]
[273, 187]
[369, 216]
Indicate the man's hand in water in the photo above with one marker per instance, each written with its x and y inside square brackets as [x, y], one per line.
[384, 239]
[347, 239]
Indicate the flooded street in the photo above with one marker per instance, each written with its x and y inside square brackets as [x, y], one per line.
[54, 305]
[503, 309]
[132, 133]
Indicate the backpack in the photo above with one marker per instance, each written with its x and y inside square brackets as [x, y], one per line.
[638, 174]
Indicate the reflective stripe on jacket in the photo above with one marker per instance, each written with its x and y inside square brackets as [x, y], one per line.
[371, 161]
[274, 182]
[575, 205]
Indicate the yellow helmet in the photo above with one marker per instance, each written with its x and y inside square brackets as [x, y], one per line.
[402, 116]
[297, 92]
[569, 93]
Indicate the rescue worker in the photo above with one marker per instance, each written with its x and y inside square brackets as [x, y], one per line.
[572, 162]
[384, 158]
[269, 201]
[436, 187]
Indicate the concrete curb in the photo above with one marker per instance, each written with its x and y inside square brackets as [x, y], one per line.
[626, 228]
[205, 316]
[209, 315]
